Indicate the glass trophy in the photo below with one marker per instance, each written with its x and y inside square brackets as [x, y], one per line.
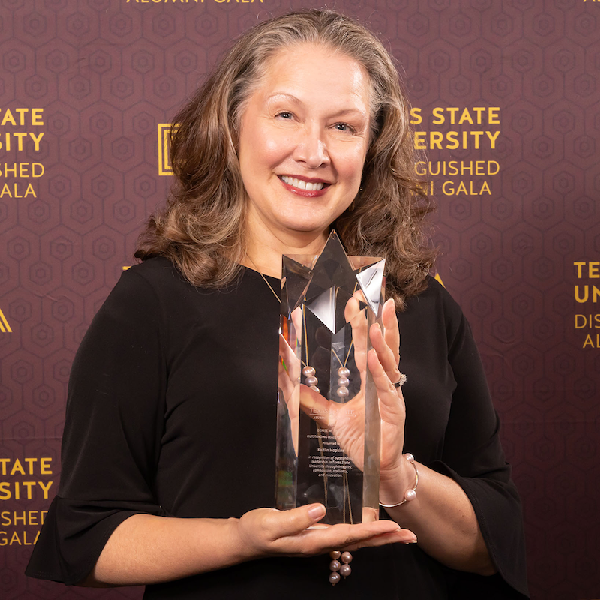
[328, 432]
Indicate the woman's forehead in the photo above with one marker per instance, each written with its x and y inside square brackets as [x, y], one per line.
[308, 69]
[316, 53]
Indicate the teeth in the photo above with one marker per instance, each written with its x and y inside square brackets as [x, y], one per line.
[301, 184]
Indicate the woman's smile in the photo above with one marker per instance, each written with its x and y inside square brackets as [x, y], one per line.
[303, 186]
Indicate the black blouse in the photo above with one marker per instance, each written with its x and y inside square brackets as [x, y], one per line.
[172, 411]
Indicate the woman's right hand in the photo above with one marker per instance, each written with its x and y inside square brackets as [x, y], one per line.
[147, 549]
[267, 532]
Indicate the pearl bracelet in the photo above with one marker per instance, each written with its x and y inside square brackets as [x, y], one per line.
[410, 494]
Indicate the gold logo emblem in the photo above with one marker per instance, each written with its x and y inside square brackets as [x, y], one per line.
[164, 165]
[4, 326]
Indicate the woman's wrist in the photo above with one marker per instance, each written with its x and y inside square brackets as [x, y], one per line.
[399, 485]
[242, 544]
[218, 543]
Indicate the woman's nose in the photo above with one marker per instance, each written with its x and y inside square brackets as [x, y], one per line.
[311, 149]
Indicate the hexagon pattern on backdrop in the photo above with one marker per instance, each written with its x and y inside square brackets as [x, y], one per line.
[108, 74]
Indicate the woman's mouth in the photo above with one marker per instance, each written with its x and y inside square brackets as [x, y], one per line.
[301, 184]
[302, 187]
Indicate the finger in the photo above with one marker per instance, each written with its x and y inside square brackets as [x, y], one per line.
[386, 356]
[284, 523]
[344, 535]
[352, 309]
[297, 521]
[323, 539]
[402, 536]
[391, 401]
[391, 329]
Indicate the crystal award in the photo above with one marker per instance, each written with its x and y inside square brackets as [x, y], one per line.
[327, 413]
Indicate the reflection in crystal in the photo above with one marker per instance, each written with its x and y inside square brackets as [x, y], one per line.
[328, 414]
[371, 280]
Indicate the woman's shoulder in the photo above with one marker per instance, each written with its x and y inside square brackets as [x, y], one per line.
[160, 273]
[435, 297]
[143, 294]
[155, 271]
[156, 279]
[435, 315]
[157, 283]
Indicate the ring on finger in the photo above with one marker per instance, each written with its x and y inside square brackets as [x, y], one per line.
[400, 381]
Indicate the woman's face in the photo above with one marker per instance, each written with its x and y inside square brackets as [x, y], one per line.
[303, 140]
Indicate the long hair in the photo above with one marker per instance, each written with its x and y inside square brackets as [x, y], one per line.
[201, 229]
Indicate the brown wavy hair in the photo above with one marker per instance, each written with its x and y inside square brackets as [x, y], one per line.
[201, 229]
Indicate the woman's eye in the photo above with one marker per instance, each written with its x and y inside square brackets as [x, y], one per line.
[344, 127]
[285, 114]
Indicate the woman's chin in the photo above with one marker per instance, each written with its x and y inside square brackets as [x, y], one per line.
[302, 225]
[308, 231]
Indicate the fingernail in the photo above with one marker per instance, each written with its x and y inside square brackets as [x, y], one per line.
[413, 541]
[316, 511]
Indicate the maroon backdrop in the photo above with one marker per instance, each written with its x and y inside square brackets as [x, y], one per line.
[84, 88]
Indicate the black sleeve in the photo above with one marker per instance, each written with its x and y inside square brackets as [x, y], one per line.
[113, 427]
[474, 458]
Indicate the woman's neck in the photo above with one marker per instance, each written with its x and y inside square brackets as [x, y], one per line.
[264, 250]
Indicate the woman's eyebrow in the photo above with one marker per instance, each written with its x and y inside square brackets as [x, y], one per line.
[284, 96]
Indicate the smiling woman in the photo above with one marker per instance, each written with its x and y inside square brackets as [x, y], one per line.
[336, 94]
[169, 447]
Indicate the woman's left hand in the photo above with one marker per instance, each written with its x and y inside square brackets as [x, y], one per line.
[383, 362]
[346, 420]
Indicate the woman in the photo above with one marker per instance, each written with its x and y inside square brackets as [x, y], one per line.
[169, 448]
